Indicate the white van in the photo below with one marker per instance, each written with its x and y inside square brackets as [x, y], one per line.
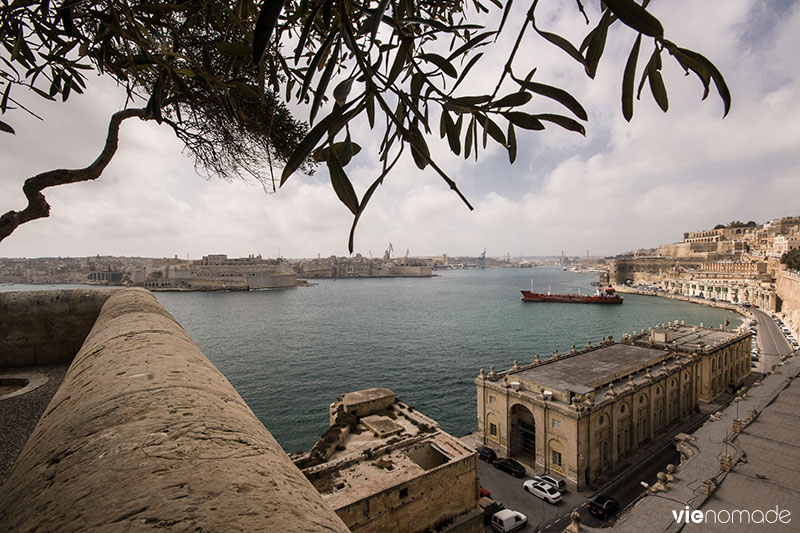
[508, 520]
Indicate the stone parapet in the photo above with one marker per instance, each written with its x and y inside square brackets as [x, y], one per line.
[46, 327]
[145, 433]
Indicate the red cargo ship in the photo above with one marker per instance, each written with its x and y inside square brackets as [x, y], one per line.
[603, 296]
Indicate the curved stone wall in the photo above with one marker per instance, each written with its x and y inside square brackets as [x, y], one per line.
[46, 327]
[146, 433]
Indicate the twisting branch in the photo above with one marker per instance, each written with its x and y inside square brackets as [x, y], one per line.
[37, 205]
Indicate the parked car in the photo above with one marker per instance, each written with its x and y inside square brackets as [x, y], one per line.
[511, 466]
[602, 506]
[485, 493]
[507, 520]
[487, 454]
[542, 490]
[553, 480]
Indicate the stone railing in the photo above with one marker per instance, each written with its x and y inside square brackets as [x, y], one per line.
[145, 432]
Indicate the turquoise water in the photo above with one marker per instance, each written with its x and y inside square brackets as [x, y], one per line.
[291, 352]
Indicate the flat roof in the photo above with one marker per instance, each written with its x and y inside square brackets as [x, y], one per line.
[689, 339]
[366, 477]
[591, 369]
[366, 395]
[365, 463]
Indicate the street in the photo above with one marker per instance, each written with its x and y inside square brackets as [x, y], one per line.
[771, 341]
[544, 516]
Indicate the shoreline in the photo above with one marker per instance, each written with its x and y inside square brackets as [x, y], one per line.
[744, 312]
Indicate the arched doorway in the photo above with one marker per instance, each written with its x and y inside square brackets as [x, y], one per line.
[522, 440]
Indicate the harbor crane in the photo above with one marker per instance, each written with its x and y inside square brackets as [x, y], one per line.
[482, 259]
[388, 253]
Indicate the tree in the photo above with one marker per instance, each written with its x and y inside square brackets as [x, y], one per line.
[400, 64]
[791, 259]
[740, 224]
[185, 60]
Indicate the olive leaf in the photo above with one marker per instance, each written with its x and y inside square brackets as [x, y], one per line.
[628, 79]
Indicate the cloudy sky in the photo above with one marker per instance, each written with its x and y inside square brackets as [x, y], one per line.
[622, 187]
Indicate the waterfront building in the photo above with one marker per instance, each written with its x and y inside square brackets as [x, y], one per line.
[362, 267]
[581, 414]
[383, 466]
[219, 272]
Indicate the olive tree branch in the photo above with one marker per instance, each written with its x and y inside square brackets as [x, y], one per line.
[389, 113]
[37, 204]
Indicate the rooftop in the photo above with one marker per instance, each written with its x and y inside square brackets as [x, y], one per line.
[690, 338]
[380, 451]
[363, 396]
[589, 370]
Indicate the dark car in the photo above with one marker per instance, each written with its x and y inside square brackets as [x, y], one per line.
[602, 506]
[510, 466]
[486, 454]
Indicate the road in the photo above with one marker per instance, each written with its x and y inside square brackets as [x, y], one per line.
[508, 490]
[771, 341]
[546, 517]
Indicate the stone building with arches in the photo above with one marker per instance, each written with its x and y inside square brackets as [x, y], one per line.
[581, 414]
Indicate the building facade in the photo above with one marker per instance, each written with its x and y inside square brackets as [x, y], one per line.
[581, 414]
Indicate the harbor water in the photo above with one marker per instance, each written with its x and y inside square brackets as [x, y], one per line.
[291, 352]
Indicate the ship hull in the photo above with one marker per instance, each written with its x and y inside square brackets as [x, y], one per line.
[528, 296]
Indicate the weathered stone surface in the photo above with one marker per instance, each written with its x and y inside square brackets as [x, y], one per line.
[46, 327]
[145, 433]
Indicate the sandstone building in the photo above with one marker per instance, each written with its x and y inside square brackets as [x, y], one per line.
[218, 272]
[580, 414]
[383, 466]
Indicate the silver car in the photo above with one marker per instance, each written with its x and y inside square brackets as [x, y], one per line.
[550, 479]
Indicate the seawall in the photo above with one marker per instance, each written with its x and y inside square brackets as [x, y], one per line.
[145, 433]
[700, 301]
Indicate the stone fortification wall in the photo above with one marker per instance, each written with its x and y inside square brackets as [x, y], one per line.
[46, 327]
[788, 290]
[145, 433]
[445, 496]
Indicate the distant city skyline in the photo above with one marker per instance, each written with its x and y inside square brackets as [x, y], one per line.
[623, 187]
